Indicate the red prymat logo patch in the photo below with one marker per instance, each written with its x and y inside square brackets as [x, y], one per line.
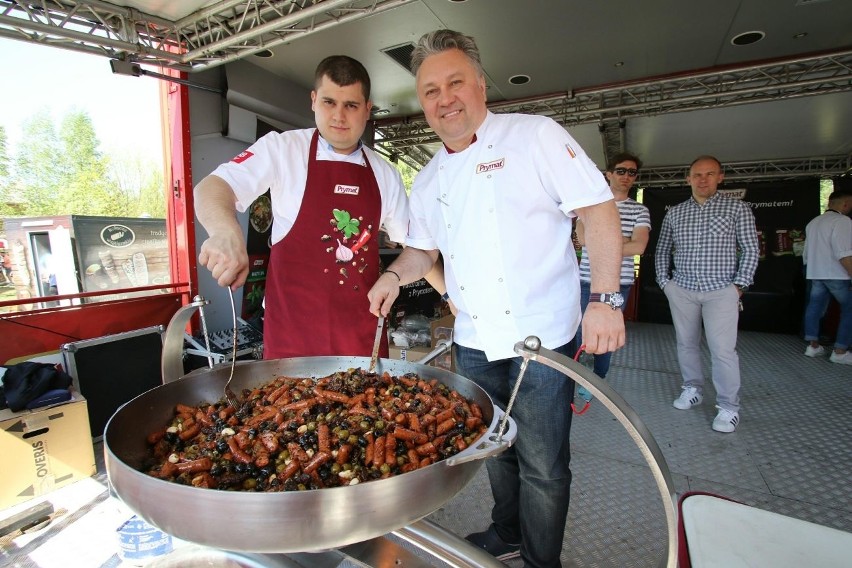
[242, 157]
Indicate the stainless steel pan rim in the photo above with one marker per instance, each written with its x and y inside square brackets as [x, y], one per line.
[288, 521]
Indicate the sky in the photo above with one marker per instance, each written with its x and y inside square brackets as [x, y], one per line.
[124, 109]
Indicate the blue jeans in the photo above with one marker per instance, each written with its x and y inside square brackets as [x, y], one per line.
[530, 481]
[601, 361]
[820, 294]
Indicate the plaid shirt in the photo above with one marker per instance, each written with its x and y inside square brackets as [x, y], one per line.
[715, 244]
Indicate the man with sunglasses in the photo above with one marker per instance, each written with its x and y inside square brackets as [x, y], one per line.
[621, 172]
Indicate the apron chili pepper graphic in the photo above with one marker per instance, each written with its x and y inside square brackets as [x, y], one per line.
[362, 240]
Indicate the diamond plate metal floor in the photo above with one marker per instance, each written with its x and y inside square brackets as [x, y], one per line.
[791, 454]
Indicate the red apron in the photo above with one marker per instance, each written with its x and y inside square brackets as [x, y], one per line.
[320, 273]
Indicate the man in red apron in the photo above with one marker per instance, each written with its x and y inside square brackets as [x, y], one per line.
[330, 195]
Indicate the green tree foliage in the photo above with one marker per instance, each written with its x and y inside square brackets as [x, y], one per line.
[142, 184]
[4, 157]
[37, 165]
[6, 197]
[826, 186]
[408, 173]
[66, 173]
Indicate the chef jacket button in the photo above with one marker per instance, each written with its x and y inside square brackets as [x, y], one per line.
[474, 317]
[490, 146]
[499, 280]
[461, 287]
[489, 176]
[507, 312]
[452, 256]
[449, 226]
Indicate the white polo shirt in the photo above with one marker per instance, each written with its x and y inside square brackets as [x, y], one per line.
[828, 238]
[279, 162]
[500, 213]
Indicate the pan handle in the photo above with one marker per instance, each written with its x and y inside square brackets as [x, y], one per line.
[491, 444]
[440, 348]
[171, 363]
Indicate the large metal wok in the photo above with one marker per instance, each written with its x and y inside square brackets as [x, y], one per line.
[288, 521]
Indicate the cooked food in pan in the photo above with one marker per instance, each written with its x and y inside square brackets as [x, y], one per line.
[296, 434]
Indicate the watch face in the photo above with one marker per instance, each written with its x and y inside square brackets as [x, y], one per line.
[614, 300]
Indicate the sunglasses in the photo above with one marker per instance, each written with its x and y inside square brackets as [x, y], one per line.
[631, 172]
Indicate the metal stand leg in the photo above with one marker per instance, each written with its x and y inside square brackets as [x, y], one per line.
[530, 349]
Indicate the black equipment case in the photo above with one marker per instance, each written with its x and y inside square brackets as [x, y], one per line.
[111, 370]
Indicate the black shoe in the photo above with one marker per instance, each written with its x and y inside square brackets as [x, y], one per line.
[491, 542]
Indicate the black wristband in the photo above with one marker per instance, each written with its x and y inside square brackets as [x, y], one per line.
[394, 273]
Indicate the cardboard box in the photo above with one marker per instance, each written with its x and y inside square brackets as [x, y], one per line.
[44, 449]
[412, 354]
[440, 329]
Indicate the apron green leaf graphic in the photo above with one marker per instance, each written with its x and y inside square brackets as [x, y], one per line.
[346, 223]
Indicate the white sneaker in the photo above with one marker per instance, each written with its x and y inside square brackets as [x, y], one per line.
[814, 351]
[844, 359]
[688, 398]
[726, 421]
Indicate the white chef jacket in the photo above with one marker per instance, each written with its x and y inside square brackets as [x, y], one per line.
[500, 212]
[279, 161]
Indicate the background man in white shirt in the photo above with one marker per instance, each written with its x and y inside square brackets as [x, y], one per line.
[828, 260]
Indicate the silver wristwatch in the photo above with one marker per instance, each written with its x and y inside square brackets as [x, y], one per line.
[613, 299]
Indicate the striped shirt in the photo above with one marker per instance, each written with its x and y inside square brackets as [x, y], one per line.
[713, 245]
[633, 214]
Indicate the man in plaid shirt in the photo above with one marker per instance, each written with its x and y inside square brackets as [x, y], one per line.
[705, 260]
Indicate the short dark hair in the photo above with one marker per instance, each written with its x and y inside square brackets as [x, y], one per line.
[704, 157]
[343, 71]
[438, 41]
[623, 157]
[839, 194]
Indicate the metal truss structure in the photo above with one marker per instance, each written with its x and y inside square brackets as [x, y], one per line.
[232, 29]
[827, 166]
[610, 107]
[212, 36]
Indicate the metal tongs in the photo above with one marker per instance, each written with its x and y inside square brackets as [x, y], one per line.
[233, 399]
[376, 344]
